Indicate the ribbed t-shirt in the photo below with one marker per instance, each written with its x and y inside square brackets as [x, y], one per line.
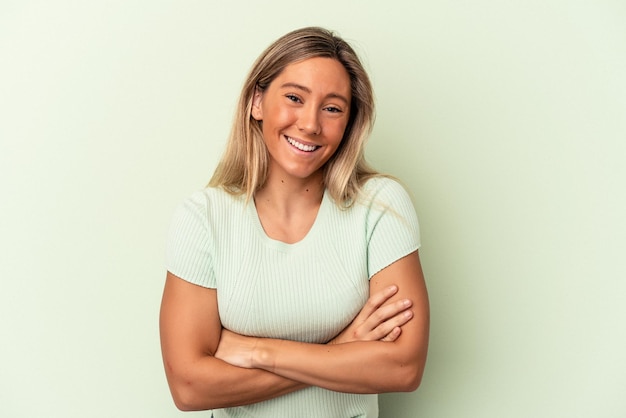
[308, 291]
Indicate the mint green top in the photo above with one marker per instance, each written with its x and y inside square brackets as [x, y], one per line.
[308, 291]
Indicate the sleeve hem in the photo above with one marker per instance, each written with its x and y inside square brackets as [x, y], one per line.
[403, 254]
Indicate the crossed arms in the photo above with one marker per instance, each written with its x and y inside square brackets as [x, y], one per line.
[209, 367]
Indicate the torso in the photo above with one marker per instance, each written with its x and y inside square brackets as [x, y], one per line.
[303, 287]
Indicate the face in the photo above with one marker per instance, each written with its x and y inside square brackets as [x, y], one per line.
[305, 112]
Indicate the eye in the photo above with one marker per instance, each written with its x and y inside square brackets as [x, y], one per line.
[293, 98]
[333, 109]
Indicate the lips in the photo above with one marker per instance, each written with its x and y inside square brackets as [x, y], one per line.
[301, 146]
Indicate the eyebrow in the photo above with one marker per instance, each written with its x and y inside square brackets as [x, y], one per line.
[308, 90]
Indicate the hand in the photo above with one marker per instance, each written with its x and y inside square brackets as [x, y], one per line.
[236, 349]
[378, 322]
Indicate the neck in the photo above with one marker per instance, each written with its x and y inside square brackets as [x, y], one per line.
[286, 194]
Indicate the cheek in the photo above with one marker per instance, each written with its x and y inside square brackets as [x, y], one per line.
[278, 121]
[282, 115]
[337, 131]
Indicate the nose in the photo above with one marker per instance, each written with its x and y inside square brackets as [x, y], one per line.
[308, 121]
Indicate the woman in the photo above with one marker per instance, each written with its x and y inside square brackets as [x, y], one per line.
[267, 310]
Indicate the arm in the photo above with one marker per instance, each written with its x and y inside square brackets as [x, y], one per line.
[190, 332]
[355, 366]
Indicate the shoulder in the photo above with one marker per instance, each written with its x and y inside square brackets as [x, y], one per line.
[386, 199]
[202, 208]
[383, 190]
[392, 227]
[211, 198]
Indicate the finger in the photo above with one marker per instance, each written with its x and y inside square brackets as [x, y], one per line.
[376, 300]
[386, 312]
[393, 335]
[387, 327]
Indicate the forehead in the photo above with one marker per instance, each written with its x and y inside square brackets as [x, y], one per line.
[317, 74]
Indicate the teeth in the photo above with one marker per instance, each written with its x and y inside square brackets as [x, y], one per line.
[301, 147]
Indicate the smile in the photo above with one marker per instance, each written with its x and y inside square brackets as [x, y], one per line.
[301, 146]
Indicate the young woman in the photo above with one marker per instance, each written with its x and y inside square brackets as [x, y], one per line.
[294, 286]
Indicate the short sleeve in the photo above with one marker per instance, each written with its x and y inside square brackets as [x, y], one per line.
[189, 244]
[392, 224]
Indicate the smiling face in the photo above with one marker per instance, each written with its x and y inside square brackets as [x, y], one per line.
[305, 111]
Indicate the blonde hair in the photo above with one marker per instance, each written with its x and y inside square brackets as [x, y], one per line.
[243, 167]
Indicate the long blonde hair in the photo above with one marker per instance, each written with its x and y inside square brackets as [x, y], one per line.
[243, 167]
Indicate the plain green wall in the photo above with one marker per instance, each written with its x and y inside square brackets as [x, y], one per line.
[506, 121]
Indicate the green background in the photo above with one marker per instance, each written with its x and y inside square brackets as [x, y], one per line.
[505, 119]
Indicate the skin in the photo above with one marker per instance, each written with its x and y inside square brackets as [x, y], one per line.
[306, 107]
[309, 102]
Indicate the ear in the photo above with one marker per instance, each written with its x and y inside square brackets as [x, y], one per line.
[257, 110]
